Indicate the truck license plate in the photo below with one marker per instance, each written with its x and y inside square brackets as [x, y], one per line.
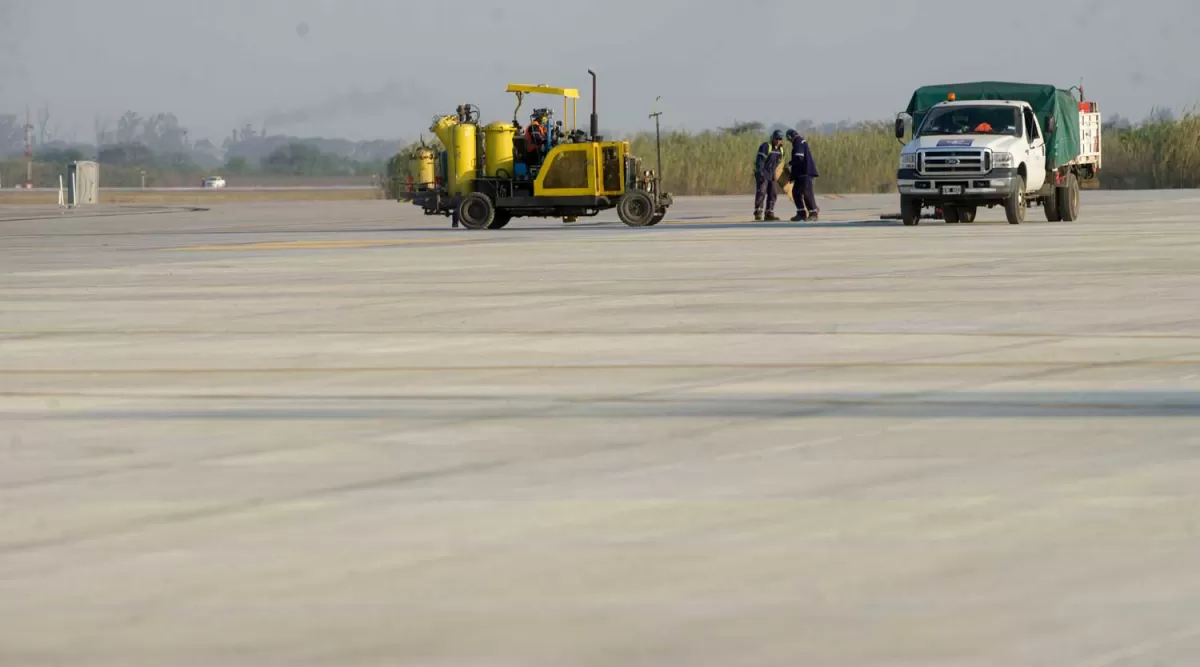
[952, 189]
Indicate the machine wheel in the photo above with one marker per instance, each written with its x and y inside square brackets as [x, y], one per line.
[967, 213]
[1050, 205]
[636, 209]
[500, 220]
[658, 217]
[1016, 206]
[910, 211]
[1068, 199]
[951, 215]
[476, 211]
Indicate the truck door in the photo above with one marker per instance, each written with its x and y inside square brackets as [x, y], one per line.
[1036, 165]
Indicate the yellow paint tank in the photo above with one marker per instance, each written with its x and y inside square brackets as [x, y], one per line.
[423, 169]
[464, 159]
[444, 130]
[498, 149]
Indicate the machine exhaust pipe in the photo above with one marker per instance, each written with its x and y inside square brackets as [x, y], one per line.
[595, 116]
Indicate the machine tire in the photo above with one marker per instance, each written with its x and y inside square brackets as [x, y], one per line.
[476, 211]
[1068, 199]
[910, 211]
[636, 209]
[951, 215]
[1016, 206]
[501, 220]
[1051, 206]
[967, 213]
[658, 217]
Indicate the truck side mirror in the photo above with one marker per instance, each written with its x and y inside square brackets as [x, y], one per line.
[900, 128]
[1052, 125]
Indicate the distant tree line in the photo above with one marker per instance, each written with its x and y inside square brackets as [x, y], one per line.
[157, 142]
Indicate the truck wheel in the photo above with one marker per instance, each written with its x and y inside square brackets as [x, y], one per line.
[1068, 199]
[910, 211]
[967, 213]
[636, 209]
[501, 220]
[476, 211]
[951, 215]
[1016, 206]
[1050, 205]
[658, 217]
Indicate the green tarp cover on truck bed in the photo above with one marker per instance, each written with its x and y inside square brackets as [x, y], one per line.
[1047, 101]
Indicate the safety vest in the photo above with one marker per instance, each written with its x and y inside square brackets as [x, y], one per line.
[535, 135]
[770, 149]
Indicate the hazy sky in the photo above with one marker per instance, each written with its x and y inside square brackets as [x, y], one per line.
[381, 68]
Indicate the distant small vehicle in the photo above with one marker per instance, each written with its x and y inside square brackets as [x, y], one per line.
[214, 182]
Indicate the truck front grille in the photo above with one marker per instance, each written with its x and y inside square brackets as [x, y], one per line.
[954, 162]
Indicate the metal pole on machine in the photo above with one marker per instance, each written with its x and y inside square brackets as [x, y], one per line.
[657, 135]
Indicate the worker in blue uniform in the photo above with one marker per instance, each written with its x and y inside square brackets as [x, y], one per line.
[804, 170]
[769, 157]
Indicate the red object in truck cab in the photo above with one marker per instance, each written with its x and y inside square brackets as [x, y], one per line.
[1087, 107]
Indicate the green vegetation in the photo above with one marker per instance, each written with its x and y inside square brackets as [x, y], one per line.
[125, 165]
[1159, 154]
[47, 169]
[862, 159]
[298, 159]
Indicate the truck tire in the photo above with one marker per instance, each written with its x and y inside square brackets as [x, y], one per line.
[636, 209]
[476, 211]
[910, 211]
[952, 215]
[1050, 206]
[1016, 206]
[1068, 199]
[967, 213]
[658, 217]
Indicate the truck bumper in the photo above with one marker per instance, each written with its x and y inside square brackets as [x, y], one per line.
[933, 190]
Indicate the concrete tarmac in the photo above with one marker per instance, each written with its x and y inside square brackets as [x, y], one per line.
[344, 434]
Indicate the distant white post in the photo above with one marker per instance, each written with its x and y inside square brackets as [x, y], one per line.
[74, 190]
[62, 200]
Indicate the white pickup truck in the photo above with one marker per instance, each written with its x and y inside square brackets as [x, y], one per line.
[996, 144]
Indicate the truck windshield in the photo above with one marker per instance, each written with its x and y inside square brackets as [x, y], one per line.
[973, 120]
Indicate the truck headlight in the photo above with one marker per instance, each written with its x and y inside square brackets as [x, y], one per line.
[1002, 160]
[908, 161]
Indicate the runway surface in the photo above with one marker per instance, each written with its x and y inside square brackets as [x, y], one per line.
[345, 434]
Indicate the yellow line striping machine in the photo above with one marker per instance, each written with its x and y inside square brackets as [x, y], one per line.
[482, 180]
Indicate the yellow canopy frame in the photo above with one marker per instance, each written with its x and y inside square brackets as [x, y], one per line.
[570, 96]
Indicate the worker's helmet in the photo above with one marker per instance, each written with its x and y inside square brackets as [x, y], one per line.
[777, 135]
[791, 134]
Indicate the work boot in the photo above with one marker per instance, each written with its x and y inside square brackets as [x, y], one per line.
[814, 216]
[800, 217]
[758, 215]
[771, 217]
